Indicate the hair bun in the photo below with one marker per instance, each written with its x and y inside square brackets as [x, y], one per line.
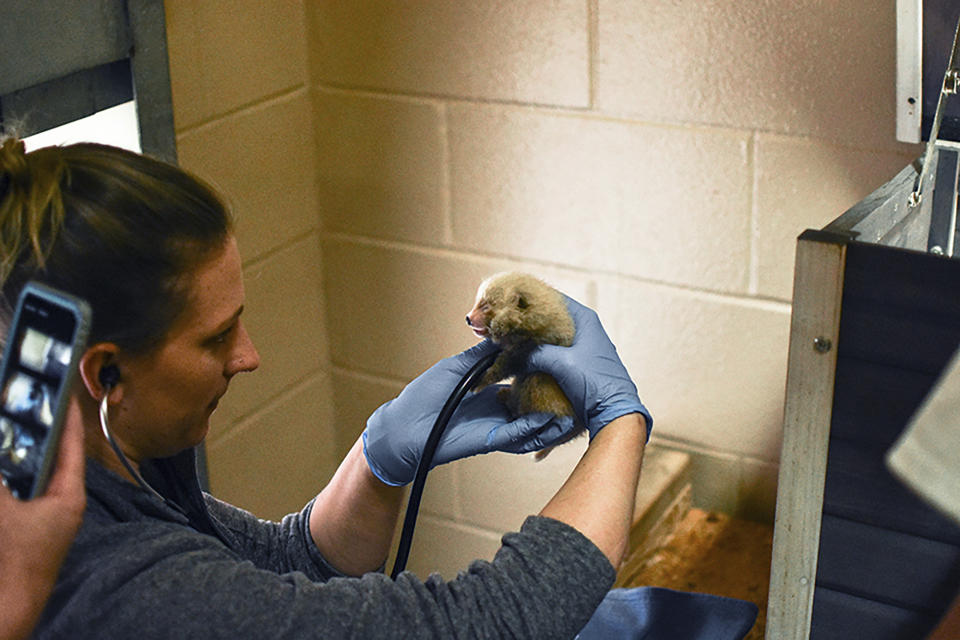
[13, 162]
[13, 155]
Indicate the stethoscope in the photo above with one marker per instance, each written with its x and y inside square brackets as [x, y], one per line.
[108, 377]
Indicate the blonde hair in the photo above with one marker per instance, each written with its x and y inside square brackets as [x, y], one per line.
[120, 229]
[31, 210]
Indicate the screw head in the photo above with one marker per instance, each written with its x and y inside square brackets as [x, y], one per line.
[822, 345]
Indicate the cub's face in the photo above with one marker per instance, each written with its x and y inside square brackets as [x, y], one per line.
[478, 318]
[498, 310]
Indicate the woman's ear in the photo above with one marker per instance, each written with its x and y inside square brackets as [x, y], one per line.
[98, 370]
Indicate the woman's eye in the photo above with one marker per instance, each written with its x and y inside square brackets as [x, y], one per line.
[221, 337]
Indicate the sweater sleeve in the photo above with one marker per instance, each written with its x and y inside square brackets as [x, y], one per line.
[280, 547]
[544, 582]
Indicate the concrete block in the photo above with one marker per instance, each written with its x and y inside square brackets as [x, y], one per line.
[801, 68]
[355, 397]
[757, 500]
[395, 312]
[263, 162]
[447, 548]
[284, 315]
[225, 54]
[806, 184]
[382, 170]
[492, 49]
[277, 460]
[711, 369]
[499, 490]
[670, 205]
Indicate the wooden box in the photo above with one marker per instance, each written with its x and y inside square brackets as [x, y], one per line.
[876, 318]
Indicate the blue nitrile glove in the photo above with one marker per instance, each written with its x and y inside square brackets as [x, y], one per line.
[590, 373]
[397, 432]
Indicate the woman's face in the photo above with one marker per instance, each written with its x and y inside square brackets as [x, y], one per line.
[169, 393]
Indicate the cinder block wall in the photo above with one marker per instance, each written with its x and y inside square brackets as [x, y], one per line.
[242, 110]
[654, 160]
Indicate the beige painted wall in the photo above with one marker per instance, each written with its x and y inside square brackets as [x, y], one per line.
[654, 160]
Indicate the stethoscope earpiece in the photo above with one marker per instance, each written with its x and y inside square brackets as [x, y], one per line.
[109, 376]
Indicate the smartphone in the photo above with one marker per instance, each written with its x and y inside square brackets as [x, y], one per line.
[47, 337]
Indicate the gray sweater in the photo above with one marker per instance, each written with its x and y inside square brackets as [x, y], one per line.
[201, 568]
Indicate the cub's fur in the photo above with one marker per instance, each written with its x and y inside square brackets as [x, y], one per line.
[518, 312]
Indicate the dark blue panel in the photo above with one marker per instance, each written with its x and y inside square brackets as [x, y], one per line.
[903, 281]
[897, 337]
[873, 402]
[859, 487]
[887, 566]
[840, 616]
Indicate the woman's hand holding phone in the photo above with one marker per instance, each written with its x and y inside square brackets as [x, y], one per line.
[36, 534]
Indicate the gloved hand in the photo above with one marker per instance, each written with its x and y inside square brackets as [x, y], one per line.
[590, 373]
[397, 432]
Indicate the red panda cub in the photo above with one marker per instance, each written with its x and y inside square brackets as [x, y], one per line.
[518, 312]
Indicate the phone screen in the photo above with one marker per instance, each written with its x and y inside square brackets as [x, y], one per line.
[37, 366]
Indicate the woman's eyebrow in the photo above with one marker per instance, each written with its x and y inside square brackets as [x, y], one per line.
[223, 326]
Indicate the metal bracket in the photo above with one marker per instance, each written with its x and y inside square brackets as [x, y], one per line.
[951, 84]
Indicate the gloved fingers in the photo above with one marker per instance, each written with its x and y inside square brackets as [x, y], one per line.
[481, 405]
[559, 362]
[590, 342]
[585, 319]
[531, 432]
[575, 375]
[465, 434]
[426, 394]
[442, 377]
[463, 361]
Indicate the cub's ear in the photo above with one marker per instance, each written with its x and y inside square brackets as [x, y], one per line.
[521, 301]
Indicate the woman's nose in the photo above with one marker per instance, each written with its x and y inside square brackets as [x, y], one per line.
[245, 358]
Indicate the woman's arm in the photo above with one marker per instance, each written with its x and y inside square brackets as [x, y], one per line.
[354, 517]
[598, 497]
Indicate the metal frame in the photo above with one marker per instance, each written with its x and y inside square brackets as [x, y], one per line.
[909, 60]
[61, 61]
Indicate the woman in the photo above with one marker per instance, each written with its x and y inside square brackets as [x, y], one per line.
[151, 248]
